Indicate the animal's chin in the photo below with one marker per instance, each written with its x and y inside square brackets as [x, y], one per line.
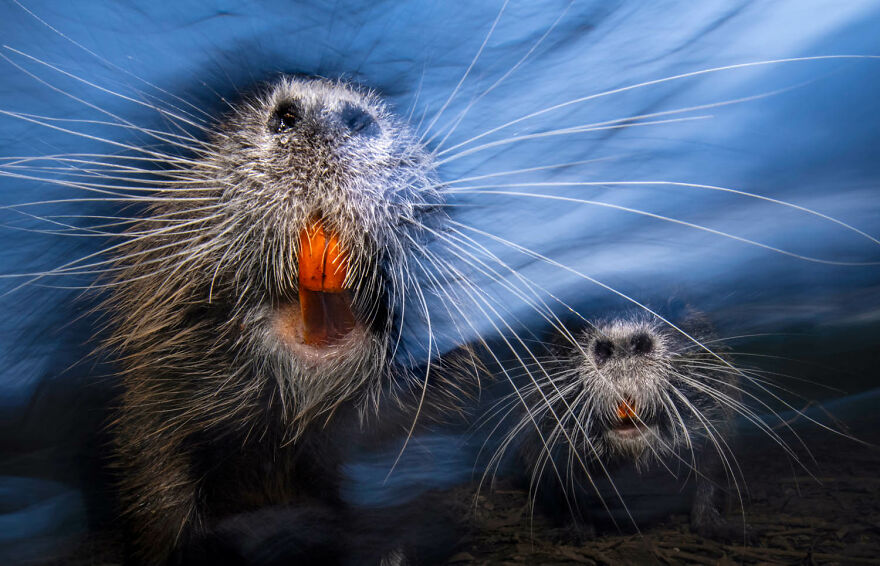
[630, 429]
[632, 441]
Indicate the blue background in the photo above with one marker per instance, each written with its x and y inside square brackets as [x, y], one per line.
[803, 132]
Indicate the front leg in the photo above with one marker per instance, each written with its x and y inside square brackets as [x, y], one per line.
[711, 502]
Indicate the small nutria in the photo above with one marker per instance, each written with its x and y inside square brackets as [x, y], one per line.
[256, 308]
[631, 421]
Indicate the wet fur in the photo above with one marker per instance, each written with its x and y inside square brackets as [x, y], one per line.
[214, 406]
[219, 415]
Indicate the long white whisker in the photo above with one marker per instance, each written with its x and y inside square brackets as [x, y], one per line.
[671, 78]
[679, 222]
[565, 132]
[461, 116]
[464, 76]
[756, 196]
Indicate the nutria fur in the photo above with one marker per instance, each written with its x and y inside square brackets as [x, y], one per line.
[227, 407]
[634, 422]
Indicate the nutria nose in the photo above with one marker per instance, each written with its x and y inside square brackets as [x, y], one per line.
[602, 350]
[291, 115]
[285, 118]
[641, 344]
[358, 121]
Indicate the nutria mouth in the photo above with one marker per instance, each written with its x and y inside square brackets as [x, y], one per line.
[629, 424]
[324, 303]
[321, 326]
[629, 428]
[294, 331]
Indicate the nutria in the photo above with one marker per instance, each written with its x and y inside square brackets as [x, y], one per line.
[256, 308]
[631, 421]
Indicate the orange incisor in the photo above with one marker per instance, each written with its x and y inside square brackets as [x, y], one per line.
[626, 409]
[323, 263]
[323, 267]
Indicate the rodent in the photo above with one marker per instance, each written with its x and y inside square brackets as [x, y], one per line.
[334, 36]
[631, 421]
[255, 308]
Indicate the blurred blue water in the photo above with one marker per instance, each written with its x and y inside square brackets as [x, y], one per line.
[804, 132]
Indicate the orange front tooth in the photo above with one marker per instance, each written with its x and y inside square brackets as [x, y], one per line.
[324, 306]
[323, 263]
[626, 409]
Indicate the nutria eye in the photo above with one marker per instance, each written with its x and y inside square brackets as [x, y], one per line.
[284, 118]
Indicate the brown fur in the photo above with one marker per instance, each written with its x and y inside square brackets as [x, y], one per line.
[220, 414]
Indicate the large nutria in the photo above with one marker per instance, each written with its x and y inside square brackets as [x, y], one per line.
[256, 308]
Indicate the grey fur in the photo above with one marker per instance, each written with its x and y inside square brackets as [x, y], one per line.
[196, 307]
[684, 397]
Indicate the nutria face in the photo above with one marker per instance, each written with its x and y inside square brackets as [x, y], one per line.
[632, 390]
[628, 370]
[651, 389]
[281, 254]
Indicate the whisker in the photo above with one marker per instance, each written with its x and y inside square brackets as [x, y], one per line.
[679, 222]
[464, 76]
[671, 78]
[565, 132]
